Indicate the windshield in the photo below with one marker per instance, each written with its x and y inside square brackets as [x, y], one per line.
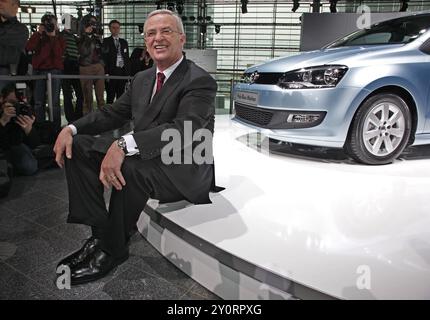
[397, 31]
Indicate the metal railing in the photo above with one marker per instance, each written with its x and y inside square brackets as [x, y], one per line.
[225, 81]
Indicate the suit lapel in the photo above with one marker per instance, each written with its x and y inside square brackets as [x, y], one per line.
[144, 98]
[154, 107]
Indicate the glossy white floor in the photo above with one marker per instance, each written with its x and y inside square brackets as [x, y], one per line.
[302, 224]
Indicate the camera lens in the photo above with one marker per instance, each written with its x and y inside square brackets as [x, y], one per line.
[50, 27]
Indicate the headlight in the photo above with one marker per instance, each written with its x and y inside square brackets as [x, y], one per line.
[313, 77]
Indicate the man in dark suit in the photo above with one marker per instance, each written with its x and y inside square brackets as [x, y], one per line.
[173, 95]
[117, 61]
[13, 37]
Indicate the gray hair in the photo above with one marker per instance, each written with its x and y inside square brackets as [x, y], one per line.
[170, 13]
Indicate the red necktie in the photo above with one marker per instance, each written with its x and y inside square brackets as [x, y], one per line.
[160, 81]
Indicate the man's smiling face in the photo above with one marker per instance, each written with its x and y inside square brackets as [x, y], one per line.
[164, 40]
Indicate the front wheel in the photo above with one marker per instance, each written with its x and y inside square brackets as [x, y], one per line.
[380, 129]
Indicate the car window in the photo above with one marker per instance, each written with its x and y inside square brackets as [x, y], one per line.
[397, 31]
[376, 38]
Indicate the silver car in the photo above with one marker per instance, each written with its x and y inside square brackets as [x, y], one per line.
[368, 92]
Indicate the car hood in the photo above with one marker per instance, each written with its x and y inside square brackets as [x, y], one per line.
[321, 57]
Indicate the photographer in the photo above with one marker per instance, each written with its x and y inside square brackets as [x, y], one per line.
[17, 135]
[91, 63]
[13, 36]
[71, 67]
[48, 47]
[140, 60]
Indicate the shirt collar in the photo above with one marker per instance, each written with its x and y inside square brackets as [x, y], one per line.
[168, 72]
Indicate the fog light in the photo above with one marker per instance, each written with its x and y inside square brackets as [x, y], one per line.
[303, 118]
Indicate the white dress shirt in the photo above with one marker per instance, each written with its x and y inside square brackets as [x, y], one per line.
[129, 139]
[119, 60]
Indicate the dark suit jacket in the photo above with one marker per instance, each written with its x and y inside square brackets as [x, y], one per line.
[13, 37]
[110, 54]
[188, 95]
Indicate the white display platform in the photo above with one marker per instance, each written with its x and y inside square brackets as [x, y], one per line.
[309, 224]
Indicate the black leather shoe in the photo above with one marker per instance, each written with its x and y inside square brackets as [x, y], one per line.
[95, 267]
[75, 258]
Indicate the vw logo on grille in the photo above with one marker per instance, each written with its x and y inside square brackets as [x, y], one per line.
[254, 77]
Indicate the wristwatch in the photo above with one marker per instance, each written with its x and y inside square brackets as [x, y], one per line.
[122, 144]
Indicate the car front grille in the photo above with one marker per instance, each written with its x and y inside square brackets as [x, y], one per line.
[267, 77]
[255, 116]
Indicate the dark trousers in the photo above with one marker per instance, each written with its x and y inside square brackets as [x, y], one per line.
[114, 226]
[115, 88]
[22, 159]
[40, 92]
[69, 87]
[4, 71]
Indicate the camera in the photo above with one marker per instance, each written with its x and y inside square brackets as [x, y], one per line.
[22, 108]
[70, 23]
[93, 24]
[48, 21]
[91, 21]
[49, 26]
[96, 29]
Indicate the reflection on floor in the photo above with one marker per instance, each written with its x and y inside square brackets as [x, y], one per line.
[34, 237]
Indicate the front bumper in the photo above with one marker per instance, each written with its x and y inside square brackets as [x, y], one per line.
[336, 107]
[278, 119]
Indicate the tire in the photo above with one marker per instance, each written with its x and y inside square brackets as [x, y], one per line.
[380, 129]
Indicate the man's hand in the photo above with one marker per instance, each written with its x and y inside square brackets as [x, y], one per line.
[41, 28]
[26, 123]
[110, 171]
[8, 113]
[63, 144]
